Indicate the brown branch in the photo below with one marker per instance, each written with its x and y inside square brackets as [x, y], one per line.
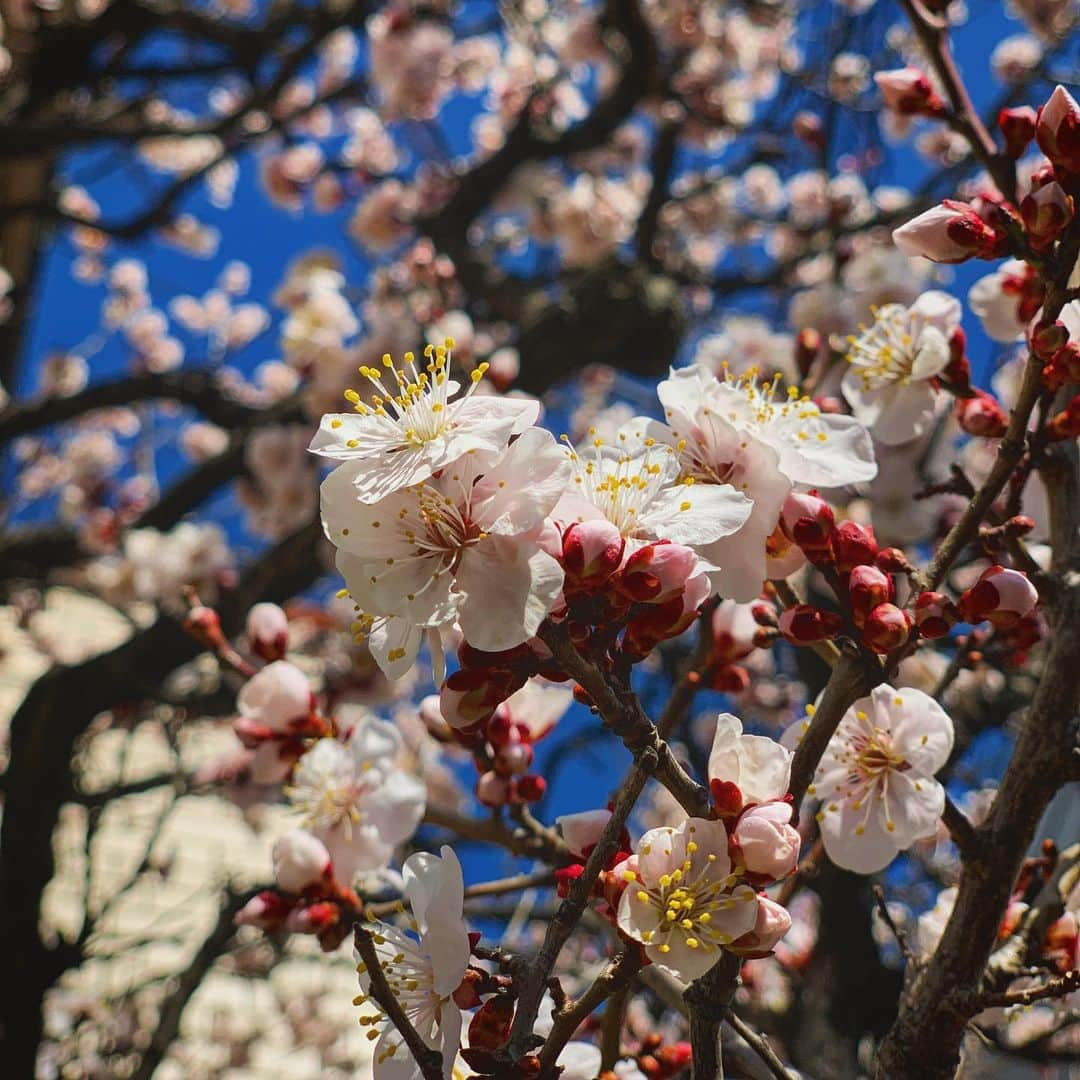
[1055, 987]
[962, 832]
[708, 1003]
[429, 1060]
[493, 831]
[760, 1045]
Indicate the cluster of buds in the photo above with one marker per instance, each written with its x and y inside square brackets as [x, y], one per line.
[737, 630]
[859, 570]
[311, 901]
[473, 703]
[1046, 210]
[658, 1060]
[1002, 597]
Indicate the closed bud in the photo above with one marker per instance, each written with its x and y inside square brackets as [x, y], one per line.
[203, 624]
[530, 788]
[957, 373]
[867, 588]
[887, 627]
[950, 233]
[908, 92]
[1064, 367]
[300, 860]
[1000, 596]
[493, 790]
[657, 572]
[808, 344]
[935, 614]
[267, 910]
[1046, 212]
[1018, 127]
[513, 759]
[1046, 339]
[805, 624]
[773, 922]
[807, 519]
[730, 679]
[1066, 424]
[268, 631]
[853, 545]
[981, 415]
[591, 552]
[768, 844]
[1057, 130]
[314, 918]
[470, 696]
[892, 560]
[808, 127]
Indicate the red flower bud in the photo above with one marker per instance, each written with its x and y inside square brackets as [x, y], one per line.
[853, 545]
[530, 788]
[981, 415]
[1000, 596]
[868, 587]
[807, 519]
[908, 92]
[804, 624]
[892, 560]
[657, 572]
[1064, 367]
[1046, 212]
[1066, 424]
[887, 627]
[950, 233]
[204, 625]
[1018, 127]
[591, 552]
[935, 614]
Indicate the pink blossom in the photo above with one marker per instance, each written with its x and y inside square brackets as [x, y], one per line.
[768, 845]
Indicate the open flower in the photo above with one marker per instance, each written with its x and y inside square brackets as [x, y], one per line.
[424, 970]
[413, 428]
[876, 780]
[465, 545]
[733, 433]
[355, 799]
[889, 385]
[635, 483]
[684, 903]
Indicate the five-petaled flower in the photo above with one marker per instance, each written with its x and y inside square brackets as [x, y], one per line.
[876, 779]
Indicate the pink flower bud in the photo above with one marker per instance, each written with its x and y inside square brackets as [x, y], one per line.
[657, 572]
[950, 233]
[529, 788]
[591, 552]
[1018, 127]
[268, 631]
[773, 922]
[808, 519]
[892, 560]
[804, 624]
[313, 919]
[853, 545]
[981, 415]
[204, 625]
[867, 588]
[808, 127]
[909, 92]
[300, 860]
[768, 845]
[659, 622]
[513, 759]
[493, 790]
[267, 910]
[1058, 130]
[1046, 212]
[935, 614]
[277, 699]
[887, 627]
[1000, 596]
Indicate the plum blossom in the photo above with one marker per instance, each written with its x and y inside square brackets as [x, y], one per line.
[890, 383]
[1004, 300]
[413, 428]
[876, 780]
[753, 768]
[354, 798]
[465, 546]
[422, 969]
[732, 434]
[634, 482]
[683, 900]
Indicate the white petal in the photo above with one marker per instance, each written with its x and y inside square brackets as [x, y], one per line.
[697, 514]
[866, 852]
[913, 805]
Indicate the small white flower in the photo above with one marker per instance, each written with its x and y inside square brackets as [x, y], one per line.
[422, 971]
[889, 384]
[996, 298]
[413, 428]
[685, 903]
[354, 798]
[876, 779]
[759, 766]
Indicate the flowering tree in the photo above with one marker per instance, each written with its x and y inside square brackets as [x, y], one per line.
[636, 419]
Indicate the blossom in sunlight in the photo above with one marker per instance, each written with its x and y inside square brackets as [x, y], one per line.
[731, 433]
[465, 546]
[876, 780]
[950, 233]
[634, 482]
[423, 969]
[1006, 300]
[684, 901]
[353, 797]
[412, 428]
[890, 384]
[745, 769]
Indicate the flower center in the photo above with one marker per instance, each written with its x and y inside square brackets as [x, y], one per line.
[885, 352]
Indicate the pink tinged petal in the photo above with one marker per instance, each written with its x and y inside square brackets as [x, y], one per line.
[396, 807]
[358, 528]
[581, 831]
[684, 391]
[913, 806]
[659, 852]
[906, 412]
[523, 487]
[394, 645]
[361, 848]
[416, 589]
[507, 586]
[275, 695]
[864, 852]
[921, 729]
[845, 456]
[697, 514]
